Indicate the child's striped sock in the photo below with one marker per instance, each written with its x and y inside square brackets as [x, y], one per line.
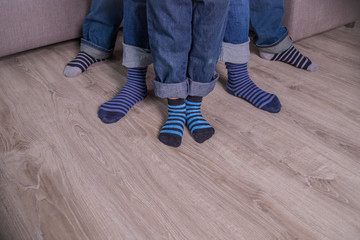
[134, 91]
[293, 57]
[172, 131]
[240, 85]
[79, 64]
[199, 128]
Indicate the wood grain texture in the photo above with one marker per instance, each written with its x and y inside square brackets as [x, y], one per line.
[293, 175]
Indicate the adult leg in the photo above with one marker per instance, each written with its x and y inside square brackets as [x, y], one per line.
[100, 28]
[272, 38]
[136, 57]
[236, 54]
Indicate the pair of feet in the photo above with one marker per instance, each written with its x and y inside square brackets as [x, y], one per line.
[185, 112]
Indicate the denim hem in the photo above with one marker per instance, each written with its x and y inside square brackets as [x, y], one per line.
[94, 50]
[235, 53]
[171, 90]
[201, 89]
[284, 43]
[134, 57]
[185, 88]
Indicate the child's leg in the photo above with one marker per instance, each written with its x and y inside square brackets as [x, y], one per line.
[236, 53]
[272, 38]
[209, 19]
[100, 28]
[170, 42]
[136, 57]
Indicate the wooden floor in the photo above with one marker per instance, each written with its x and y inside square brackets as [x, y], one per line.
[293, 175]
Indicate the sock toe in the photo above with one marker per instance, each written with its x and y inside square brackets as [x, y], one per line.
[201, 135]
[172, 140]
[71, 71]
[312, 68]
[274, 106]
[109, 117]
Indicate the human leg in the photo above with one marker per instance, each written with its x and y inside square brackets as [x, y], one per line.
[272, 38]
[236, 54]
[136, 57]
[170, 41]
[100, 28]
[209, 21]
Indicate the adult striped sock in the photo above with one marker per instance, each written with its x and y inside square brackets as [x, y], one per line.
[172, 131]
[133, 92]
[79, 64]
[199, 128]
[240, 85]
[293, 57]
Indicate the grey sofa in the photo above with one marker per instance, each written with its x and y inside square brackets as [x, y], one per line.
[28, 24]
[305, 18]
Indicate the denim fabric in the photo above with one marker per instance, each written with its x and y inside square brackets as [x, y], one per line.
[135, 24]
[136, 57]
[279, 47]
[237, 27]
[235, 53]
[184, 88]
[185, 39]
[100, 27]
[136, 49]
[265, 18]
[235, 47]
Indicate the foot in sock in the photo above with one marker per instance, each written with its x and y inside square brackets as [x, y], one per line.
[199, 128]
[293, 57]
[240, 85]
[79, 64]
[172, 131]
[133, 92]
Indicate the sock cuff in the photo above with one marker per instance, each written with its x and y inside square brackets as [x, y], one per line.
[138, 69]
[231, 65]
[194, 99]
[176, 102]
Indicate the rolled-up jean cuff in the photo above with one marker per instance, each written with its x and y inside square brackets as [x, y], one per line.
[171, 90]
[283, 45]
[134, 57]
[201, 89]
[94, 50]
[235, 53]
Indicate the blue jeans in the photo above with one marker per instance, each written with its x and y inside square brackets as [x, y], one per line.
[185, 40]
[265, 17]
[136, 49]
[235, 48]
[100, 28]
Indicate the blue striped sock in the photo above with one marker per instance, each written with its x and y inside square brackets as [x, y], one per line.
[293, 57]
[172, 131]
[133, 92]
[199, 128]
[80, 63]
[240, 85]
